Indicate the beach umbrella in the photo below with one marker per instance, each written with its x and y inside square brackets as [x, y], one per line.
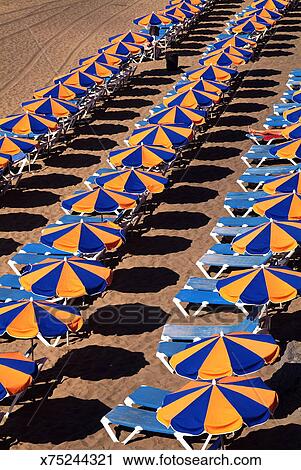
[270, 4]
[53, 106]
[268, 22]
[5, 160]
[134, 38]
[178, 115]
[83, 237]
[138, 156]
[192, 99]
[272, 236]
[153, 19]
[202, 85]
[15, 145]
[98, 70]
[218, 406]
[80, 78]
[284, 184]
[249, 26]
[212, 72]
[223, 59]
[99, 200]
[297, 96]
[28, 319]
[61, 91]
[280, 206]
[190, 2]
[221, 355]
[258, 286]
[103, 58]
[292, 115]
[185, 6]
[122, 49]
[17, 373]
[182, 14]
[235, 41]
[28, 123]
[165, 135]
[287, 150]
[132, 181]
[292, 132]
[239, 51]
[264, 13]
[68, 278]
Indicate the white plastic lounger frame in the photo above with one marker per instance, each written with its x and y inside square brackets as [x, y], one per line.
[202, 306]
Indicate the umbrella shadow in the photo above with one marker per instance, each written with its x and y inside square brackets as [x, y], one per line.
[237, 121]
[127, 319]
[157, 245]
[29, 199]
[53, 181]
[187, 195]
[143, 279]
[279, 437]
[216, 152]
[93, 143]
[104, 129]
[286, 326]
[227, 135]
[21, 222]
[201, 174]
[286, 381]
[176, 220]
[254, 93]
[73, 160]
[246, 107]
[8, 246]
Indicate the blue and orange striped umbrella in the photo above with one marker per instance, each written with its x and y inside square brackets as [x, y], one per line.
[264, 13]
[292, 132]
[52, 106]
[270, 4]
[122, 48]
[212, 72]
[284, 184]
[103, 58]
[249, 26]
[186, 6]
[5, 160]
[100, 200]
[287, 150]
[179, 115]
[153, 19]
[79, 78]
[134, 38]
[17, 373]
[202, 85]
[292, 115]
[297, 96]
[192, 2]
[272, 236]
[132, 181]
[223, 355]
[146, 156]
[98, 70]
[61, 91]
[218, 407]
[268, 22]
[235, 41]
[68, 278]
[165, 135]
[239, 51]
[192, 99]
[84, 237]
[179, 13]
[28, 319]
[280, 206]
[14, 145]
[223, 59]
[258, 286]
[28, 124]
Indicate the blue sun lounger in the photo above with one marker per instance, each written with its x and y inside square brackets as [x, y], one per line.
[218, 233]
[261, 175]
[11, 290]
[241, 221]
[30, 258]
[275, 122]
[254, 195]
[234, 261]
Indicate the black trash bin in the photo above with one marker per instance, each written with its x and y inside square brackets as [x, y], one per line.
[172, 61]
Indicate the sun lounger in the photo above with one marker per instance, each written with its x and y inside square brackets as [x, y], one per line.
[30, 258]
[228, 232]
[200, 283]
[260, 175]
[224, 262]
[254, 195]
[275, 122]
[241, 221]
[40, 249]
[11, 294]
[246, 179]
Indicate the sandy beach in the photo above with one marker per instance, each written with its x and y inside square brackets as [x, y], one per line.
[84, 381]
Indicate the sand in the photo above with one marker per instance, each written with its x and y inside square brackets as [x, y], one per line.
[81, 383]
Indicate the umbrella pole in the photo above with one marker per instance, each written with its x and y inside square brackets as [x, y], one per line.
[32, 349]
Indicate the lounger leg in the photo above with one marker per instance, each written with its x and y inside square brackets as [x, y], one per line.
[180, 307]
[209, 437]
[133, 434]
[182, 441]
[106, 424]
[164, 361]
[12, 265]
[215, 238]
[240, 183]
[225, 266]
[201, 267]
[199, 310]
[228, 209]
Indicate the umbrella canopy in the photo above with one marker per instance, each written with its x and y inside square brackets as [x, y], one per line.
[297, 96]
[180, 13]
[27, 124]
[202, 85]
[134, 38]
[122, 48]
[224, 59]
[52, 106]
[14, 145]
[287, 150]
[212, 72]
[103, 58]
[239, 51]
[284, 184]
[249, 26]
[146, 156]
[292, 132]
[235, 41]
[280, 206]
[165, 135]
[153, 19]
[218, 407]
[79, 78]
[189, 7]
[5, 160]
[292, 115]
[192, 2]
[17, 373]
[192, 99]
[179, 115]
[257, 19]
[258, 286]
[278, 237]
[61, 91]
[264, 13]
[100, 200]
[26, 319]
[84, 237]
[98, 70]
[132, 181]
[222, 355]
[72, 277]
[270, 4]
